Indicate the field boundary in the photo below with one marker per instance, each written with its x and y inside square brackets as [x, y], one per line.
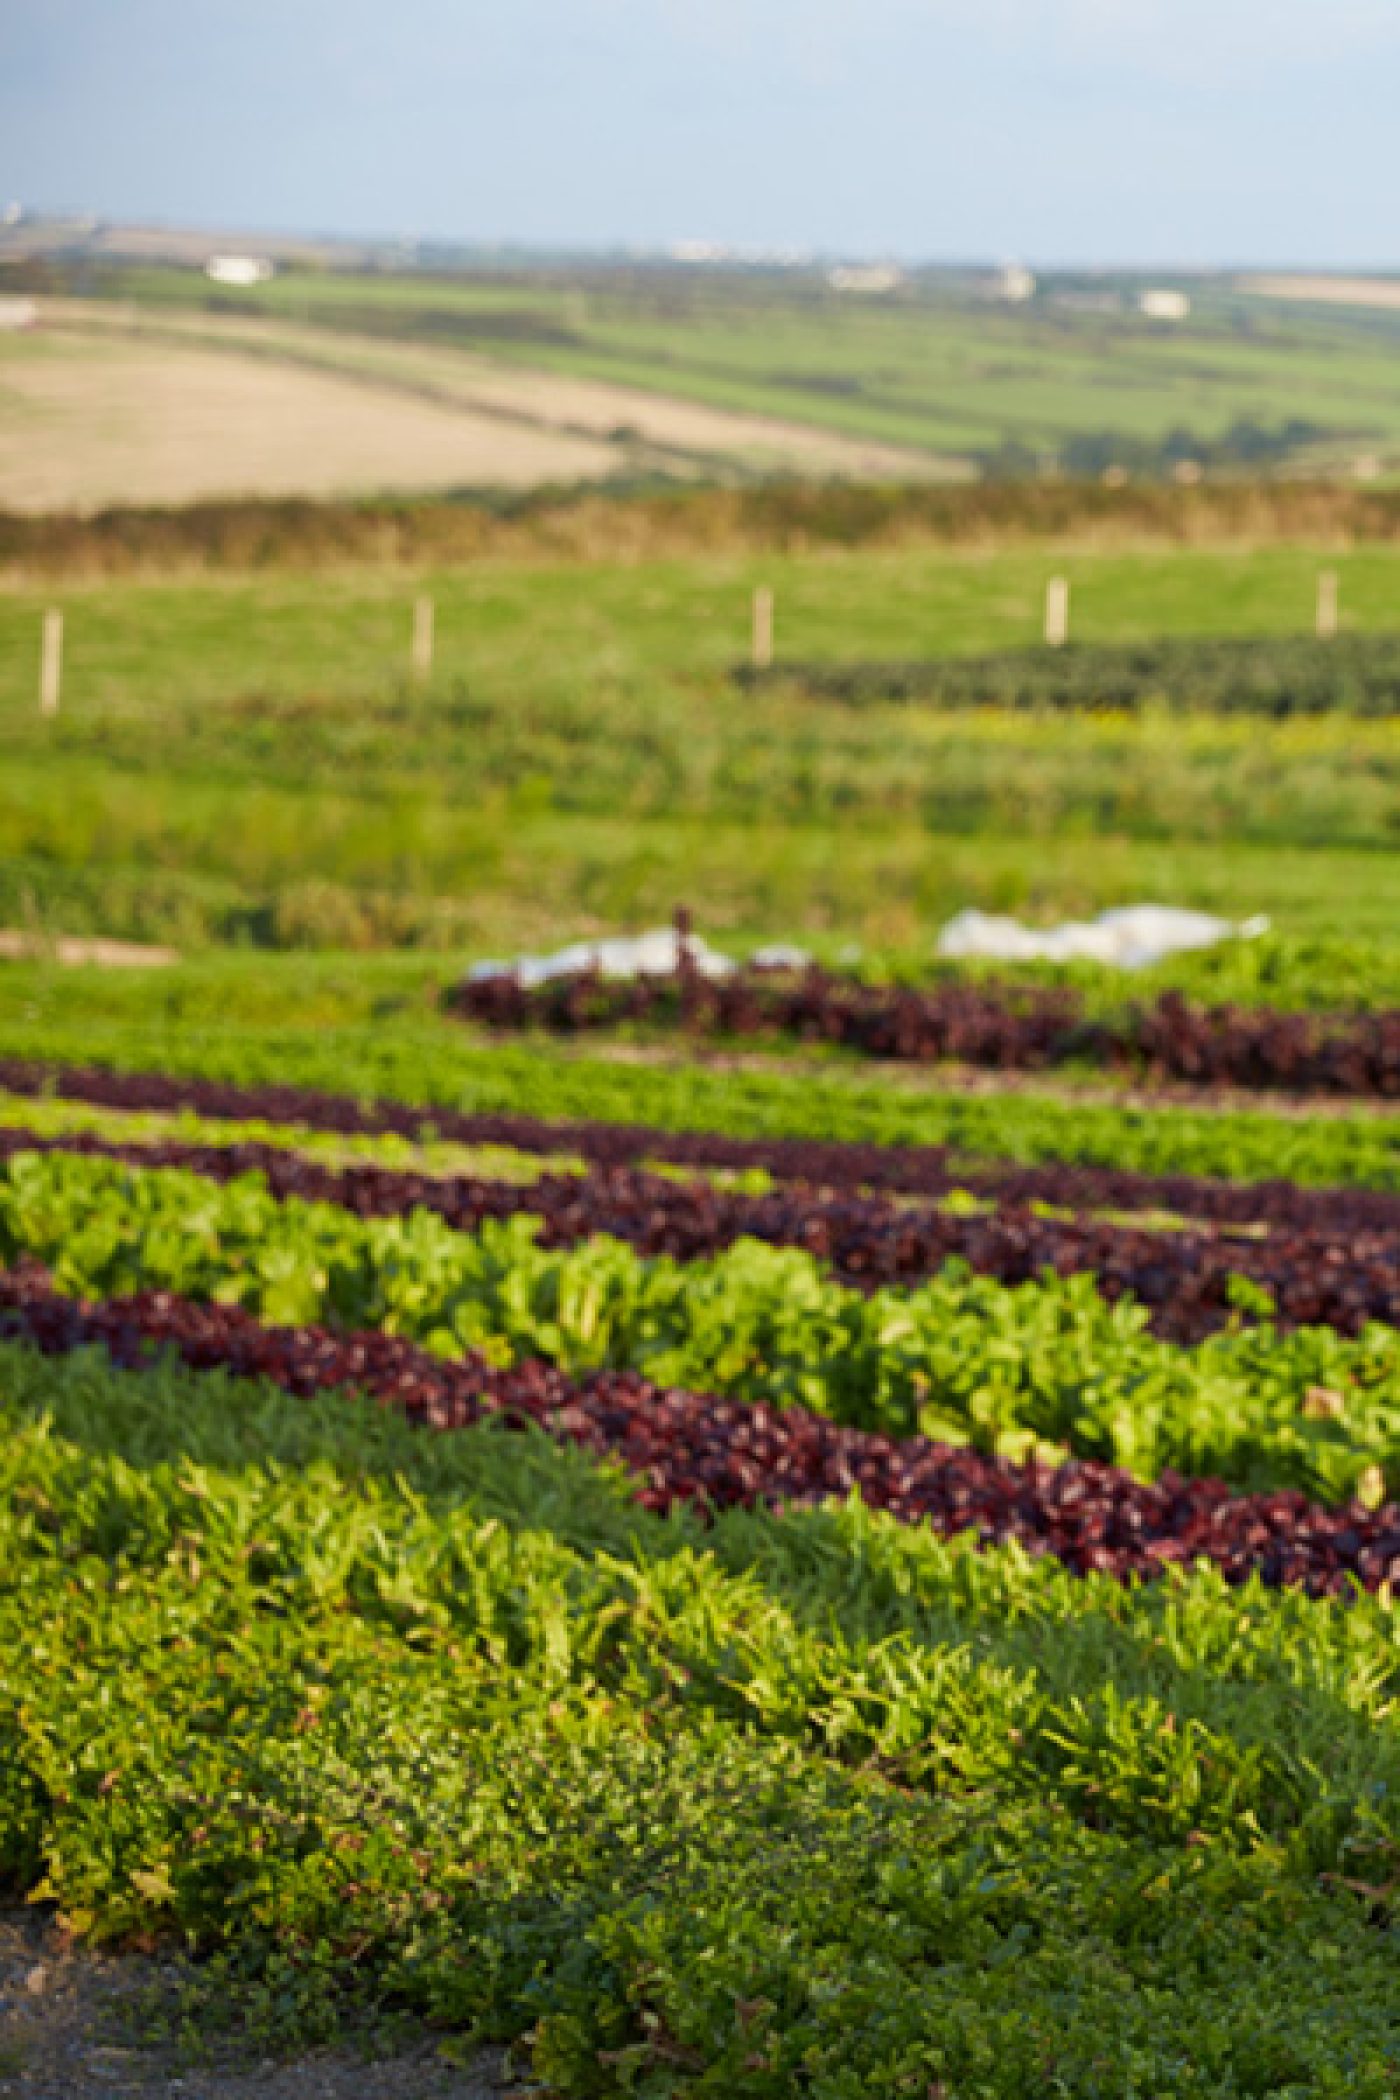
[591, 522]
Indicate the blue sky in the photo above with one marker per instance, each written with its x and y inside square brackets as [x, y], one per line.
[1191, 131]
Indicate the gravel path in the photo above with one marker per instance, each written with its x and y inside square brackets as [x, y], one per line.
[67, 2033]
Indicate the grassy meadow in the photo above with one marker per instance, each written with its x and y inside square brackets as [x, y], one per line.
[539, 626]
[246, 759]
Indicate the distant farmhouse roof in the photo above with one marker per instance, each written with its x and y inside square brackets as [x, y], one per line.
[240, 270]
[1164, 305]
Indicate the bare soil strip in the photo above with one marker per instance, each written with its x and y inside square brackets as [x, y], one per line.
[80, 2025]
[18, 946]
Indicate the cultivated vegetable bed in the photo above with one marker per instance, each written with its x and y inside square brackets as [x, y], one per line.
[1004, 1027]
[686, 1447]
[868, 1621]
[816, 1804]
[1305, 1259]
[1049, 1367]
[363, 1080]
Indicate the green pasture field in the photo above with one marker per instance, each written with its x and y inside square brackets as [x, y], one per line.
[244, 759]
[931, 369]
[529, 626]
[146, 857]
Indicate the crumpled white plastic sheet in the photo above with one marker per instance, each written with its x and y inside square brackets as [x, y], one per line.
[780, 955]
[1128, 938]
[655, 954]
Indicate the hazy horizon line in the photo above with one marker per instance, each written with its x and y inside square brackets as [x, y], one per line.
[795, 255]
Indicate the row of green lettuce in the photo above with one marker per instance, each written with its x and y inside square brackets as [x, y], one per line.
[48, 1115]
[433, 1068]
[817, 1805]
[1048, 1368]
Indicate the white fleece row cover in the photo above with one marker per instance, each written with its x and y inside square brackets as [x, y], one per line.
[1128, 938]
[654, 954]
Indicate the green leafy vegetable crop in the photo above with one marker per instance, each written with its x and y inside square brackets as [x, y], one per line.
[1048, 1368]
[812, 1805]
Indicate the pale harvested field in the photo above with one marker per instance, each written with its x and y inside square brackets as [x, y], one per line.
[95, 410]
[1327, 291]
[594, 408]
[89, 421]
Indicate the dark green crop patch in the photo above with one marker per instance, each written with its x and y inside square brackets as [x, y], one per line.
[1278, 677]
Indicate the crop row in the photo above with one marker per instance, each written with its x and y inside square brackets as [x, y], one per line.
[1048, 1368]
[687, 1447]
[900, 1169]
[1351, 674]
[1035, 1028]
[1188, 1280]
[806, 1803]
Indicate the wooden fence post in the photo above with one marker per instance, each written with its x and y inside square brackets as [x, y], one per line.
[1327, 598]
[422, 651]
[51, 663]
[762, 628]
[1057, 612]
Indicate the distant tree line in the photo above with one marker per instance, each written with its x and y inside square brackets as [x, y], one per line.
[1247, 446]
